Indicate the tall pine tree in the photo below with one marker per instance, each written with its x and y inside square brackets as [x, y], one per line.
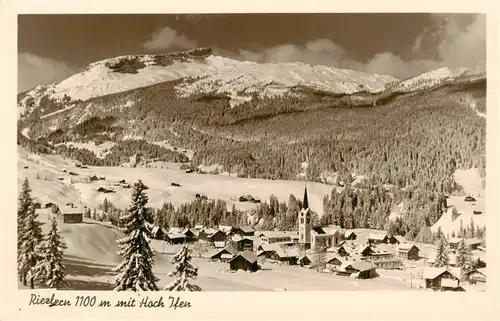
[136, 270]
[442, 258]
[183, 272]
[30, 246]
[50, 270]
[24, 203]
[464, 255]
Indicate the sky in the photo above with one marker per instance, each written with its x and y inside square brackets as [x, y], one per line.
[53, 47]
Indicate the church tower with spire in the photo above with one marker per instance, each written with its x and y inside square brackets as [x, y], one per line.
[305, 223]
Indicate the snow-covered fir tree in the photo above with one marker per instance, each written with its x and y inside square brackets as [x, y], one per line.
[136, 269]
[183, 272]
[50, 270]
[442, 258]
[24, 203]
[464, 259]
[30, 245]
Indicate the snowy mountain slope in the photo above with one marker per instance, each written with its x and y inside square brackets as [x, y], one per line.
[206, 74]
[438, 77]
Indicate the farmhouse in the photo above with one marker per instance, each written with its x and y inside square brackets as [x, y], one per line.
[408, 251]
[70, 214]
[333, 260]
[477, 275]
[246, 261]
[441, 279]
[304, 260]
[192, 235]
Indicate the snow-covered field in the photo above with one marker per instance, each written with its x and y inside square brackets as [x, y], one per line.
[471, 182]
[47, 187]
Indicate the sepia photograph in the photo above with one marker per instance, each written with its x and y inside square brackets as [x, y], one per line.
[252, 152]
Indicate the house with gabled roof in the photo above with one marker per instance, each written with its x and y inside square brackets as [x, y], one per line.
[175, 238]
[327, 236]
[357, 269]
[225, 254]
[441, 278]
[247, 230]
[289, 255]
[408, 251]
[242, 243]
[246, 261]
[381, 237]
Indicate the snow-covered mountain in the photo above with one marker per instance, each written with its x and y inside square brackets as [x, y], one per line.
[203, 72]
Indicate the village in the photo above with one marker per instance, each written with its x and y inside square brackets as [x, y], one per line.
[329, 250]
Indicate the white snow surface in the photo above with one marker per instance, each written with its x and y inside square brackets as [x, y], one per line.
[471, 182]
[435, 77]
[238, 79]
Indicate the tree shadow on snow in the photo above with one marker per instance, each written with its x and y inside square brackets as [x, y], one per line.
[88, 285]
[78, 267]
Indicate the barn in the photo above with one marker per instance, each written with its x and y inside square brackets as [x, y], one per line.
[246, 261]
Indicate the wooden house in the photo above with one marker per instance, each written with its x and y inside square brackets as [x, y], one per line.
[158, 233]
[191, 235]
[408, 251]
[70, 214]
[172, 238]
[477, 275]
[340, 250]
[333, 260]
[441, 279]
[217, 236]
[242, 243]
[246, 261]
[224, 255]
[304, 260]
[247, 230]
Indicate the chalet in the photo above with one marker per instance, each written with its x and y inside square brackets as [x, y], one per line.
[330, 235]
[408, 251]
[247, 231]
[122, 181]
[224, 255]
[358, 269]
[242, 243]
[246, 261]
[381, 238]
[43, 212]
[469, 199]
[70, 214]
[226, 229]
[290, 255]
[217, 236]
[178, 238]
[388, 263]
[350, 235]
[441, 279]
[158, 233]
[365, 250]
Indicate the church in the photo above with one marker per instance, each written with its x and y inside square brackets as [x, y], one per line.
[310, 237]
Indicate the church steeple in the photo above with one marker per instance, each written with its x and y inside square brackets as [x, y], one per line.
[305, 202]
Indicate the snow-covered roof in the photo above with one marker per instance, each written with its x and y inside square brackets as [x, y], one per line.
[377, 236]
[361, 266]
[70, 210]
[247, 229]
[433, 272]
[247, 255]
[405, 247]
